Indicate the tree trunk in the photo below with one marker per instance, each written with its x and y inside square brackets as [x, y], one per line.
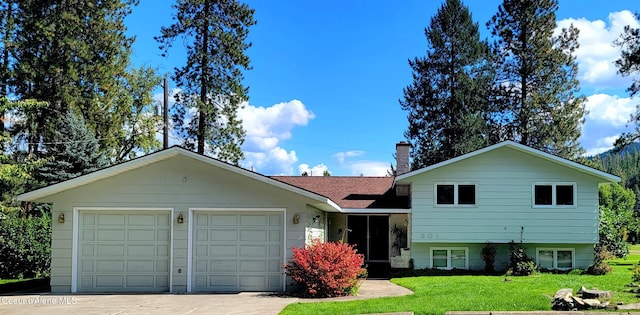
[202, 115]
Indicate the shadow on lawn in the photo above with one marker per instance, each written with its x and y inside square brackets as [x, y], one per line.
[26, 286]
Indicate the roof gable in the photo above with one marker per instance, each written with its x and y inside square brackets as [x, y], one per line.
[319, 201]
[605, 177]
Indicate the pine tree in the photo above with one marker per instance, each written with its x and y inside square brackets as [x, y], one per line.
[7, 38]
[447, 101]
[215, 33]
[71, 152]
[536, 86]
[629, 64]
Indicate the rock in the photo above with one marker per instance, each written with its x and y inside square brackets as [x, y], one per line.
[593, 293]
[592, 303]
[563, 293]
[634, 306]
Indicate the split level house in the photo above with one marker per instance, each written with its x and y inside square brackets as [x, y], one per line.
[177, 221]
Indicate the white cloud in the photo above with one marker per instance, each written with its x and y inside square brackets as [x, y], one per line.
[607, 119]
[317, 170]
[265, 128]
[610, 109]
[369, 168]
[341, 156]
[597, 54]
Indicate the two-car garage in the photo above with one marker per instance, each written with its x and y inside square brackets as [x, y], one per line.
[129, 250]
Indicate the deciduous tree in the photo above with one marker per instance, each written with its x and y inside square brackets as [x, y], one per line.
[210, 81]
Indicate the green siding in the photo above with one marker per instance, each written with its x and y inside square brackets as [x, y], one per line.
[504, 179]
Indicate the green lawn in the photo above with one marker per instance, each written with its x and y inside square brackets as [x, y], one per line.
[438, 294]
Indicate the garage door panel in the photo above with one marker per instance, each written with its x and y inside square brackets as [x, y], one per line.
[223, 220]
[109, 266]
[138, 281]
[111, 235]
[106, 281]
[253, 235]
[111, 219]
[110, 250]
[253, 250]
[224, 251]
[224, 235]
[244, 251]
[141, 235]
[142, 219]
[253, 266]
[130, 257]
[141, 250]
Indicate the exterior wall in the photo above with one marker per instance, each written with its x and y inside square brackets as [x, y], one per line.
[315, 225]
[504, 179]
[178, 183]
[421, 254]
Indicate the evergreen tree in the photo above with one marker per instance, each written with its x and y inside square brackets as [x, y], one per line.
[74, 55]
[629, 64]
[7, 38]
[72, 151]
[215, 34]
[448, 101]
[536, 86]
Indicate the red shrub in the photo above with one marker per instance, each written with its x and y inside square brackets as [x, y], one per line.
[325, 269]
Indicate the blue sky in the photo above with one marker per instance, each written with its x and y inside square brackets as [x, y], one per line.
[327, 76]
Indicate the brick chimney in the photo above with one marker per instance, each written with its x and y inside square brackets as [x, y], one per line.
[402, 158]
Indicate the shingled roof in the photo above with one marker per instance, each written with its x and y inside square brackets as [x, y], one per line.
[351, 192]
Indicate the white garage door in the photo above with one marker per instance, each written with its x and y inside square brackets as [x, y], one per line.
[123, 251]
[237, 251]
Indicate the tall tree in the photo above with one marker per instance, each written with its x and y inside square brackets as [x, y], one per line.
[7, 38]
[448, 100]
[629, 64]
[210, 82]
[74, 55]
[536, 86]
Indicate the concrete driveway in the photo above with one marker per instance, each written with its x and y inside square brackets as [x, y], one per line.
[241, 303]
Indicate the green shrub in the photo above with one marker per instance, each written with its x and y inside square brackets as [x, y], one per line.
[489, 256]
[635, 274]
[326, 269]
[600, 266]
[25, 246]
[520, 263]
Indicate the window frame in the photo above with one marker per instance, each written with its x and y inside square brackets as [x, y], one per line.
[449, 249]
[456, 196]
[555, 251]
[554, 191]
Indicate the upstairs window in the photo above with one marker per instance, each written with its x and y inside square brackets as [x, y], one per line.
[554, 194]
[455, 194]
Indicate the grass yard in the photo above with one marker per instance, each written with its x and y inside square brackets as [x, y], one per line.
[438, 294]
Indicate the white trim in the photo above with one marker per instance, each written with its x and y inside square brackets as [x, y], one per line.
[375, 211]
[555, 251]
[449, 249]
[76, 232]
[522, 148]
[554, 194]
[226, 209]
[455, 203]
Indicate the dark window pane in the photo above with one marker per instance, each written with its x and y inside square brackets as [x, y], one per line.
[444, 194]
[564, 195]
[543, 195]
[466, 194]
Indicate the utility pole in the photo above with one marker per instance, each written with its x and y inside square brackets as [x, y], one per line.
[165, 114]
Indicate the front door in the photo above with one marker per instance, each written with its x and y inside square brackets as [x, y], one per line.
[370, 235]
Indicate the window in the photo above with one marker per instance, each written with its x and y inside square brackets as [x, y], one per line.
[454, 194]
[554, 194]
[449, 258]
[555, 258]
